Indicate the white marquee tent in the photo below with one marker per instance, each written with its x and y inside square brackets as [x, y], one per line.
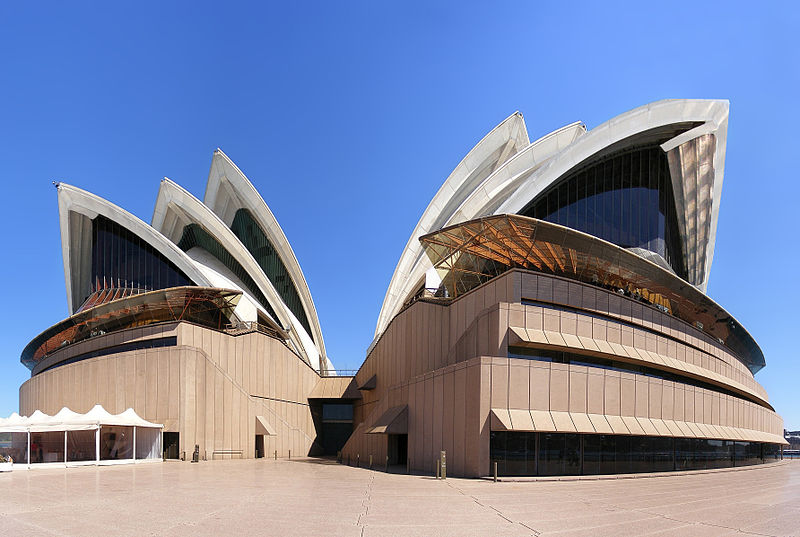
[72, 439]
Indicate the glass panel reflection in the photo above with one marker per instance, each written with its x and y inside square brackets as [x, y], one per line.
[625, 198]
[589, 454]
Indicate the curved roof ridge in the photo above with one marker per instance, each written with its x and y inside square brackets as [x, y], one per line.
[475, 203]
[624, 126]
[246, 196]
[173, 197]
[493, 150]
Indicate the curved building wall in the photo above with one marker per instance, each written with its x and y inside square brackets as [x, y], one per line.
[209, 386]
[449, 364]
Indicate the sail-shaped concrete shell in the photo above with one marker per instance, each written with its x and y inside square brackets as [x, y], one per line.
[228, 191]
[176, 208]
[77, 208]
[696, 162]
[490, 172]
[697, 193]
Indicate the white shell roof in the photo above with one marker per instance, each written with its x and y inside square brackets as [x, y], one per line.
[229, 190]
[520, 174]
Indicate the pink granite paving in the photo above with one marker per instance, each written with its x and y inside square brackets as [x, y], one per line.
[310, 498]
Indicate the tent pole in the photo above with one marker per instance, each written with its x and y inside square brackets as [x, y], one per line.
[65, 449]
[134, 444]
[97, 445]
[29, 448]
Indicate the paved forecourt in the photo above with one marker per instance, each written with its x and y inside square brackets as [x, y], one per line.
[310, 497]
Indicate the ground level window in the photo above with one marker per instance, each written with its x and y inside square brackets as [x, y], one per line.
[520, 453]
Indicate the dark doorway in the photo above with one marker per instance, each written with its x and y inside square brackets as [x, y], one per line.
[333, 419]
[398, 448]
[171, 441]
[259, 446]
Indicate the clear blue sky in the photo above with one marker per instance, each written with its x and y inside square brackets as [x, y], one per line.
[348, 116]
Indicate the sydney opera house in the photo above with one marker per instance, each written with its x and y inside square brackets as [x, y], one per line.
[548, 316]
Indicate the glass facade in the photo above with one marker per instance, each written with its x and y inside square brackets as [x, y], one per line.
[195, 236]
[248, 231]
[625, 198]
[121, 259]
[532, 454]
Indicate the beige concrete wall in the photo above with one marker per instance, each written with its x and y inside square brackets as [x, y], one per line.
[209, 388]
[449, 364]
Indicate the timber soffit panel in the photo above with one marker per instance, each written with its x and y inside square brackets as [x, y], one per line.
[471, 253]
[229, 190]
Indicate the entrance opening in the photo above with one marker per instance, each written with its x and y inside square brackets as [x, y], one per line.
[333, 420]
[398, 448]
[259, 446]
[171, 445]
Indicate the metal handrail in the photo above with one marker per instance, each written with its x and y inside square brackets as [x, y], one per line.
[339, 373]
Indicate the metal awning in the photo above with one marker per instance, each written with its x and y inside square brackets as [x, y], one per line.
[264, 427]
[393, 421]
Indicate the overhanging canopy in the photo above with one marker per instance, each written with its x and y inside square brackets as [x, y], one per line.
[207, 306]
[264, 427]
[393, 421]
[469, 254]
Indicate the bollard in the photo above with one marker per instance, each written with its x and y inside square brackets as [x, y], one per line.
[370, 461]
[443, 458]
[438, 469]
[495, 471]
[196, 453]
[387, 464]
[408, 466]
[358, 460]
[290, 453]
